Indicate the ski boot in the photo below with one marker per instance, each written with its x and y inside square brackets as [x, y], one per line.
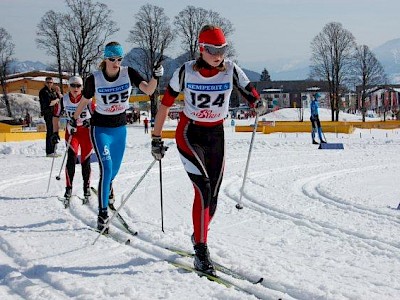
[102, 220]
[86, 195]
[202, 261]
[67, 196]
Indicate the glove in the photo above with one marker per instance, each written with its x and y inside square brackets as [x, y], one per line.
[158, 70]
[55, 138]
[260, 106]
[157, 147]
[72, 125]
[86, 123]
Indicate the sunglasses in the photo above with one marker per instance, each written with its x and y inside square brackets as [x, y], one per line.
[74, 85]
[49, 81]
[112, 59]
[215, 50]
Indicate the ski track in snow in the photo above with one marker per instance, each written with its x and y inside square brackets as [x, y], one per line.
[33, 283]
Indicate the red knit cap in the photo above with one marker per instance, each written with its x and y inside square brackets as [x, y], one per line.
[212, 36]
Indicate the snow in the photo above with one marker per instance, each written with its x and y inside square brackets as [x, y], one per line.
[315, 223]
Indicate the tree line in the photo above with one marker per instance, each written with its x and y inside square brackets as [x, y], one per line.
[75, 40]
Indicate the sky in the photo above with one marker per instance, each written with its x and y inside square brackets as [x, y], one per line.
[315, 223]
[266, 31]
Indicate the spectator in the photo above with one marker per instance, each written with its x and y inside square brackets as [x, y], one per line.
[146, 125]
[48, 97]
[315, 123]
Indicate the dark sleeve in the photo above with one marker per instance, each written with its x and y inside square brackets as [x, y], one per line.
[41, 101]
[248, 92]
[135, 77]
[88, 88]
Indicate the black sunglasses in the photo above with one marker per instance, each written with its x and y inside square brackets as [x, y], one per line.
[112, 59]
[74, 85]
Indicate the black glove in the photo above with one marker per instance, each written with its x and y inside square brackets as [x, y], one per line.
[55, 138]
[157, 147]
[72, 125]
[86, 123]
[158, 71]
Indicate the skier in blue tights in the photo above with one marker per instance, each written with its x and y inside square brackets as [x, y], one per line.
[316, 124]
[111, 85]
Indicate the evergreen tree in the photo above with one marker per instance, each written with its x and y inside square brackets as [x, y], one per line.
[265, 75]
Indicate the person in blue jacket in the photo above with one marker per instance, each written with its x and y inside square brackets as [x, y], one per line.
[316, 124]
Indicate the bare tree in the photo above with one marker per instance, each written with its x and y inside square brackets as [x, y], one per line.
[189, 22]
[367, 71]
[153, 35]
[6, 53]
[332, 51]
[50, 34]
[87, 26]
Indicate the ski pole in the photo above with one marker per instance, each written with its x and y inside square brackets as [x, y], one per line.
[161, 199]
[239, 205]
[65, 155]
[52, 164]
[124, 201]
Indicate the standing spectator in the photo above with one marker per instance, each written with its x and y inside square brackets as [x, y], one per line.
[111, 85]
[315, 123]
[146, 125]
[28, 119]
[79, 138]
[48, 97]
[207, 84]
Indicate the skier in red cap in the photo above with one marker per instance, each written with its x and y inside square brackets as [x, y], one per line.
[207, 84]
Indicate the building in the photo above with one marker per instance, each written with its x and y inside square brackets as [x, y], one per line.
[295, 93]
[32, 82]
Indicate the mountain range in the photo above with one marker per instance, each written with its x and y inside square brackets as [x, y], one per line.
[284, 69]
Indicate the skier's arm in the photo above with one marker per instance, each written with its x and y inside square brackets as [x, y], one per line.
[80, 107]
[146, 87]
[166, 103]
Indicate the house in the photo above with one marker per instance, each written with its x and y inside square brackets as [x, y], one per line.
[294, 93]
[32, 82]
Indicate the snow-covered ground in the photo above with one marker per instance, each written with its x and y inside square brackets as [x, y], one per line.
[315, 223]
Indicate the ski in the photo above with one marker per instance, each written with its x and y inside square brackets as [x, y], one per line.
[111, 236]
[394, 208]
[218, 267]
[85, 200]
[188, 268]
[119, 217]
[65, 201]
[217, 279]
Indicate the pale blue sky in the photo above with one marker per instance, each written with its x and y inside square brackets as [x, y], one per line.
[265, 30]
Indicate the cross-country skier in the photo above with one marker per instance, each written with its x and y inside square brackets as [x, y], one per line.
[111, 86]
[78, 137]
[207, 84]
[316, 124]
